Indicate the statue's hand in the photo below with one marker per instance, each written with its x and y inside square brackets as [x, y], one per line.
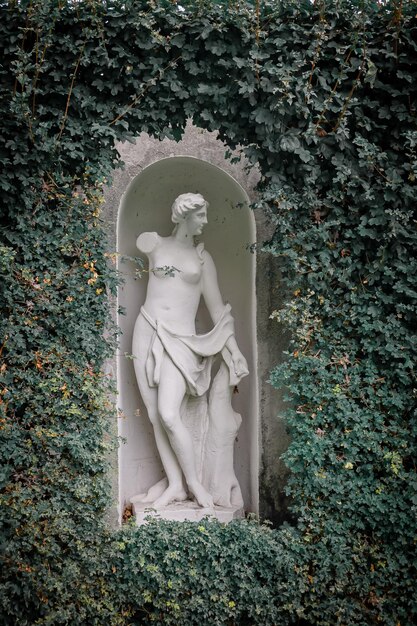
[239, 363]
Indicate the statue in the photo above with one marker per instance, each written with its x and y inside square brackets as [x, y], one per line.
[194, 436]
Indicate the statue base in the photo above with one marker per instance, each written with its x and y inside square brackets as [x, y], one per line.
[187, 510]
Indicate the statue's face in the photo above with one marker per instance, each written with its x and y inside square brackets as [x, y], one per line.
[196, 221]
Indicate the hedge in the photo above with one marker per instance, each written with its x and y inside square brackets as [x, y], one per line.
[322, 96]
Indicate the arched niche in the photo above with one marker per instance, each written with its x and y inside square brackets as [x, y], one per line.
[145, 206]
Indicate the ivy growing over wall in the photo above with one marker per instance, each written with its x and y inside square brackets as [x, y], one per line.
[323, 97]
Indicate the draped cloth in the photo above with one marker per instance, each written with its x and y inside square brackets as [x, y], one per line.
[192, 354]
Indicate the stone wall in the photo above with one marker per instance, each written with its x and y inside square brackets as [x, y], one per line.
[271, 342]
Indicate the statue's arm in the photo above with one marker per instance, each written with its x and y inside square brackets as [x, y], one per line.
[147, 242]
[210, 288]
[215, 305]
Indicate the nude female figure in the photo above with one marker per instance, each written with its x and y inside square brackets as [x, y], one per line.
[167, 363]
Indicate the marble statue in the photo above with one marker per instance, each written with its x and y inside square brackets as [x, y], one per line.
[194, 423]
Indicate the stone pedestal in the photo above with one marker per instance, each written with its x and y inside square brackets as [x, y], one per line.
[181, 511]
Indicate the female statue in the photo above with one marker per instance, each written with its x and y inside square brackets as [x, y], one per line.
[172, 362]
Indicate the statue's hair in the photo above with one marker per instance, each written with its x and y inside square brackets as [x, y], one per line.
[187, 203]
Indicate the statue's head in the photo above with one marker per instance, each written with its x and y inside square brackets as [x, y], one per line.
[185, 204]
[190, 209]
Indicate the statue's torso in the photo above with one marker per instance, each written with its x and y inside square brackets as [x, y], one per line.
[174, 288]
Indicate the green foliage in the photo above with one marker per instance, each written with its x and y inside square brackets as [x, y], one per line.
[54, 411]
[199, 573]
[323, 97]
[346, 236]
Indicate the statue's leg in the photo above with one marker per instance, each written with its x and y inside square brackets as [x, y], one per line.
[171, 392]
[142, 337]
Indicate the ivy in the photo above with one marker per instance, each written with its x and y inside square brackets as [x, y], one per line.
[322, 97]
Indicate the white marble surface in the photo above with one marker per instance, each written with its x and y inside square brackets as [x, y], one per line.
[173, 363]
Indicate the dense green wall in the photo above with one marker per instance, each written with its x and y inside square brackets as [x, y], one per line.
[323, 97]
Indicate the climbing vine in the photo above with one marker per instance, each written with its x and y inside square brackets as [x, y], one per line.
[322, 96]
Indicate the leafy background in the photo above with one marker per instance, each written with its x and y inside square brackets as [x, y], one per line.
[323, 97]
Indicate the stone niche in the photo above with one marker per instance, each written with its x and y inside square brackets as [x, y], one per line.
[229, 237]
[139, 200]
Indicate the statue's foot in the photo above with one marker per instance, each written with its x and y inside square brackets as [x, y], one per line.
[204, 499]
[155, 491]
[174, 493]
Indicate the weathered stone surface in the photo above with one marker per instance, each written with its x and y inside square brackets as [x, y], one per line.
[271, 341]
